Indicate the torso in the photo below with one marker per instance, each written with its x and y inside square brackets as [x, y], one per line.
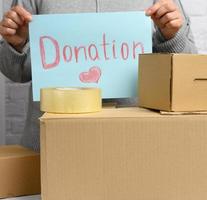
[76, 6]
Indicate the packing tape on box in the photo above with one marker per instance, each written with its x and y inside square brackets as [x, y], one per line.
[70, 100]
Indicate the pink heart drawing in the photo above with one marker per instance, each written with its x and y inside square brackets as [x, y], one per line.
[92, 76]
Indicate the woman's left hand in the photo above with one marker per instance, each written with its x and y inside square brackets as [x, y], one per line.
[167, 16]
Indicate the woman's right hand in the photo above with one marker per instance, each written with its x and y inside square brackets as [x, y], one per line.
[14, 27]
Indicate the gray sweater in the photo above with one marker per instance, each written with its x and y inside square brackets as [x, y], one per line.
[16, 66]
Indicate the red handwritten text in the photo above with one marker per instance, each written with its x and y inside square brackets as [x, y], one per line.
[93, 52]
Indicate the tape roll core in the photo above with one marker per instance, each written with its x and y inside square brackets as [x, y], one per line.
[70, 100]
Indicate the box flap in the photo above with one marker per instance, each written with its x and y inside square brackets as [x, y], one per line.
[106, 113]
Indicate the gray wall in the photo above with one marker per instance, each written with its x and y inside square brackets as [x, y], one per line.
[2, 100]
[15, 104]
[17, 94]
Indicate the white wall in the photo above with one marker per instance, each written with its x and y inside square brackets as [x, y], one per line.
[197, 10]
[2, 99]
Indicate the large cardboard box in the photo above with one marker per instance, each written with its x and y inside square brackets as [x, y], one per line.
[173, 82]
[122, 154]
[19, 171]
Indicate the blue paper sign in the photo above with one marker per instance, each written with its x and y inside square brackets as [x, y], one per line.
[89, 50]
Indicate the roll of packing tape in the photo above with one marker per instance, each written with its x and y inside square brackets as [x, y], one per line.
[70, 100]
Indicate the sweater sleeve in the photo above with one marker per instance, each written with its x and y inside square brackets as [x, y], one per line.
[14, 65]
[183, 42]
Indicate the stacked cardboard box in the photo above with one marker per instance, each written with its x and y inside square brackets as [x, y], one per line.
[127, 153]
[19, 171]
[173, 82]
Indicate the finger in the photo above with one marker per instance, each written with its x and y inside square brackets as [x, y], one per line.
[22, 13]
[9, 23]
[160, 12]
[153, 9]
[164, 5]
[174, 24]
[165, 9]
[4, 31]
[14, 17]
[157, 22]
[169, 17]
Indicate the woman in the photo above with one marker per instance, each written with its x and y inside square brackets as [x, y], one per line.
[172, 34]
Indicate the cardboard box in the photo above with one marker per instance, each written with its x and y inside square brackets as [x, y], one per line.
[19, 172]
[173, 82]
[122, 154]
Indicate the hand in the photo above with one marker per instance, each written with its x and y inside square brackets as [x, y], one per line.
[14, 27]
[166, 15]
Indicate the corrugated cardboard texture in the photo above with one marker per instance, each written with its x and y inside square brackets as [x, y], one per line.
[19, 172]
[154, 86]
[124, 154]
[187, 87]
[189, 83]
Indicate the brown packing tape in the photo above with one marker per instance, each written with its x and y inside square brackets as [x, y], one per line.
[70, 100]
